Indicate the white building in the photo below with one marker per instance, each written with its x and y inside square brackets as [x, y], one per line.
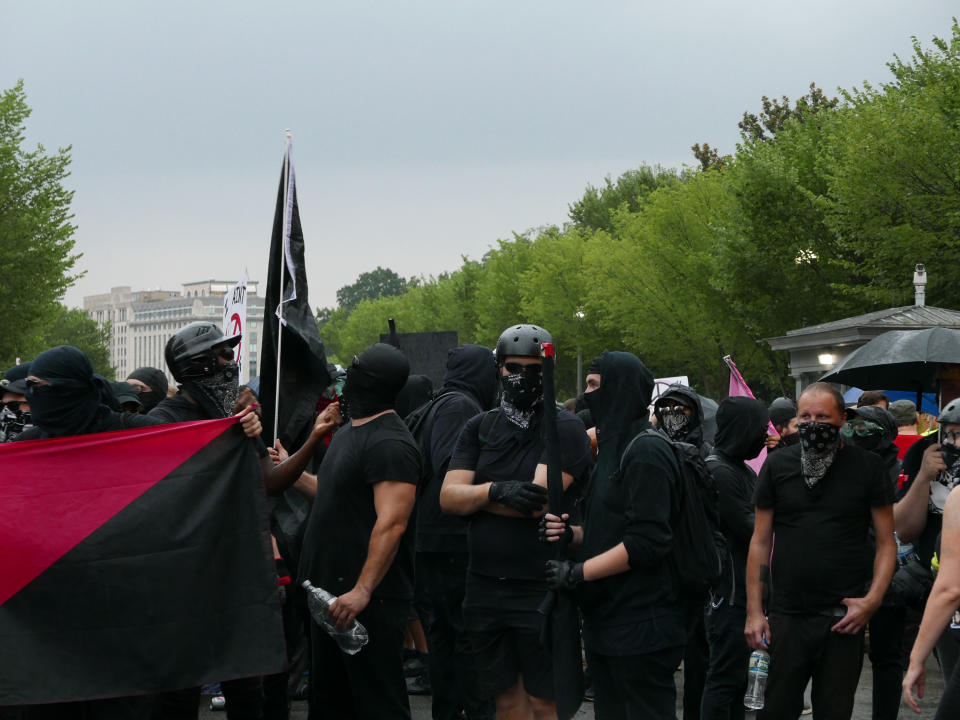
[141, 322]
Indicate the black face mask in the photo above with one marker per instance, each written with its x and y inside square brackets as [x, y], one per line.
[758, 444]
[788, 440]
[676, 424]
[523, 390]
[374, 379]
[221, 389]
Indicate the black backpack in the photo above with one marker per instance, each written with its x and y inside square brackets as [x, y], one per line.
[699, 548]
[420, 429]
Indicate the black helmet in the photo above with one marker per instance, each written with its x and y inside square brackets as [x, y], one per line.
[951, 413]
[521, 341]
[192, 351]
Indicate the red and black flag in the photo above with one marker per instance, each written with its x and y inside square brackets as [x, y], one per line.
[303, 372]
[133, 562]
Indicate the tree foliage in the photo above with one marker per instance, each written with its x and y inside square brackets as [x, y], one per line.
[36, 233]
[378, 283]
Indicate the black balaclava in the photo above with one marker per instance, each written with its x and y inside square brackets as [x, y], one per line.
[374, 379]
[156, 380]
[472, 369]
[619, 405]
[417, 391]
[741, 428]
[679, 426]
[75, 397]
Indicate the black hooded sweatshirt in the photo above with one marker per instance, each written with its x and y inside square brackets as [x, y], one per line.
[887, 449]
[636, 611]
[741, 432]
[469, 387]
[688, 397]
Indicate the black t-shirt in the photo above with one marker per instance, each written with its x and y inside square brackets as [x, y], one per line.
[503, 546]
[343, 514]
[822, 551]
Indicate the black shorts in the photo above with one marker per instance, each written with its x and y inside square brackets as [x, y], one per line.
[503, 631]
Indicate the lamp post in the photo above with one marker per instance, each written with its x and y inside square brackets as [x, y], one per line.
[579, 314]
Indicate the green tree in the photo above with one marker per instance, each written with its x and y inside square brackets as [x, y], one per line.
[36, 235]
[776, 113]
[595, 210]
[380, 282]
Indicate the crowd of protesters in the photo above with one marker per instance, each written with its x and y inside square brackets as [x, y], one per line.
[429, 509]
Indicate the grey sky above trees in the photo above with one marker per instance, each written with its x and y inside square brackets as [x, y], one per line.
[422, 131]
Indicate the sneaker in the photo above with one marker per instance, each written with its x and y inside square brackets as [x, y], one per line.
[414, 665]
[419, 685]
[218, 702]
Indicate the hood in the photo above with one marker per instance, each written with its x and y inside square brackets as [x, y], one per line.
[623, 397]
[374, 379]
[885, 419]
[417, 391]
[74, 399]
[741, 427]
[472, 369]
[688, 397]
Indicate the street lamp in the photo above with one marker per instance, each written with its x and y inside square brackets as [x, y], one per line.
[579, 315]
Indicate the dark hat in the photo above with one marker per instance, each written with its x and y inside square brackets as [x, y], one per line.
[126, 393]
[905, 412]
[15, 379]
[781, 410]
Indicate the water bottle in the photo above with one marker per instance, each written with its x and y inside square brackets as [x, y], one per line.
[904, 550]
[350, 638]
[757, 671]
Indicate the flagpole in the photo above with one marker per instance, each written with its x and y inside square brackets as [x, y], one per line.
[283, 261]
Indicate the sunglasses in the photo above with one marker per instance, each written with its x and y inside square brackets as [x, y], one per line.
[514, 368]
[861, 428]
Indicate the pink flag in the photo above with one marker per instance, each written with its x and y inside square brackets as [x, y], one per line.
[739, 388]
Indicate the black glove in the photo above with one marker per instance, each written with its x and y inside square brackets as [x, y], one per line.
[564, 574]
[524, 497]
[542, 532]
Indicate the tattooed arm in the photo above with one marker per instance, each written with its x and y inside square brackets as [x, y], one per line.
[757, 630]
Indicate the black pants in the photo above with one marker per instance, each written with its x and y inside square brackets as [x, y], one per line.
[948, 652]
[886, 658]
[726, 681]
[949, 707]
[803, 647]
[368, 685]
[634, 687]
[453, 675]
[696, 657]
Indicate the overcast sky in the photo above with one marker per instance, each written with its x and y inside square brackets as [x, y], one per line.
[423, 131]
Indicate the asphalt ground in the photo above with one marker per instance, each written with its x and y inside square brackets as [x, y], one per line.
[420, 705]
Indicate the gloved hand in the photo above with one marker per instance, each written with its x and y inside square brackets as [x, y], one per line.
[524, 497]
[558, 528]
[564, 574]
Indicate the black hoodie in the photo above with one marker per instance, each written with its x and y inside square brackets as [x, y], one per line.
[636, 611]
[689, 398]
[469, 387]
[887, 449]
[741, 432]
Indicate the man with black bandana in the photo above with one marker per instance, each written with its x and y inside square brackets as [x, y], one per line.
[679, 415]
[633, 624]
[359, 544]
[151, 383]
[820, 498]
[741, 433]
[469, 388]
[14, 408]
[497, 476]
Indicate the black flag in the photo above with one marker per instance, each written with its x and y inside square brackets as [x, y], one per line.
[304, 372]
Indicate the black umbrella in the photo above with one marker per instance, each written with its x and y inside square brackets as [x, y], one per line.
[900, 360]
[561, 628]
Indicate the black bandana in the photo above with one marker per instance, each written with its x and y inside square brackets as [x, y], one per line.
[523, 390]
[819, 443]
[676, 424]
[946, 480]
[216, 394]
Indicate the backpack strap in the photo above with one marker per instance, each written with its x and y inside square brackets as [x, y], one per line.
[489, 418]
[649, 432]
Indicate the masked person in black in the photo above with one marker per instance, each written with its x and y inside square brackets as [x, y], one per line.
[874, 429]
[783, 416]
[679, 415]
[359, 544]
[469, 388]
[741, 433]
[151, 383]
[821, 498]
[200, 358]
[14, 408]
[633, 625]
[497, 476]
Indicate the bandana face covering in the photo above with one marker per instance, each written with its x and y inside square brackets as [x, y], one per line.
[819, 442]
[676, 423]
[947, 480]
[523, 387]
[223, 387]
[788, 440]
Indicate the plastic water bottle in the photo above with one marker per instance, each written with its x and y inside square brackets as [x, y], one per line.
[350, 638]
[757, 671]
[904, 550]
